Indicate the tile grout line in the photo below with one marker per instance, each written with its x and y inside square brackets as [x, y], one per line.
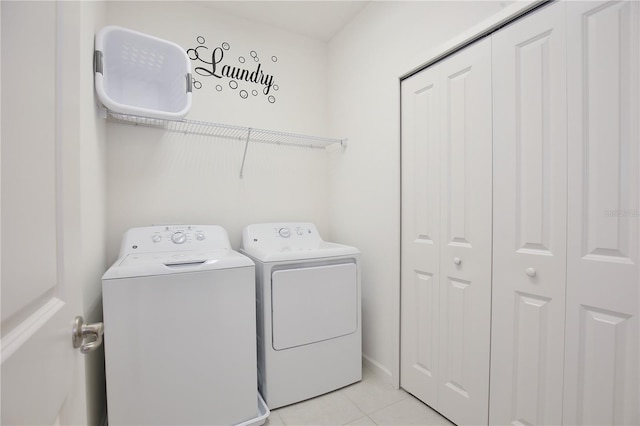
[406, 395]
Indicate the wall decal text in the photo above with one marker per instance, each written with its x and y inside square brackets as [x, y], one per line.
[215, 63]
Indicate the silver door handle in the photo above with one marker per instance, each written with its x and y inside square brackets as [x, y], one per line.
[82, 331]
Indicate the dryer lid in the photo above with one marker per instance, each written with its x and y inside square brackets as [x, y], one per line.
[287, 253]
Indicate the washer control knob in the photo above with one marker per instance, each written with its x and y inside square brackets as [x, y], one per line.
[179, 237]
[299, 231]
[285, 232]
[156, 238]
[199, 236]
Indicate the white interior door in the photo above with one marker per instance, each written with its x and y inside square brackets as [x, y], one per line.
[420, 260]
[39, 367]
[601, 364]
[529, 210]
[465, 240]
[446, 234]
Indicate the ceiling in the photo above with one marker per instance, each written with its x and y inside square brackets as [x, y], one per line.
[319, 20]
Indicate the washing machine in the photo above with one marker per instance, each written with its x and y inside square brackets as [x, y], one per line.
[180, 329]
[308, 311]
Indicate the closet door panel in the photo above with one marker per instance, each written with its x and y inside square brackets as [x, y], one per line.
[601, 367]
[529, 208]
[465, 244]
[420, 235]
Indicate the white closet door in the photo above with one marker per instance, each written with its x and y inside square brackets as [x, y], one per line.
[601, 367]
[446, 234]
[529, 208]
[420, 235]
[465, 235]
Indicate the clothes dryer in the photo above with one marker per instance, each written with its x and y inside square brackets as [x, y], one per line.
[308, 311]
[179, 329]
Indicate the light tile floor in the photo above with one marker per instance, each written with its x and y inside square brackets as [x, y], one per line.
[369, 402]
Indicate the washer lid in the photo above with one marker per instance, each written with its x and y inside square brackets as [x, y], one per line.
[284, 241]
[164, 263]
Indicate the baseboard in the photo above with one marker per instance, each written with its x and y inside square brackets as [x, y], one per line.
[378, 369]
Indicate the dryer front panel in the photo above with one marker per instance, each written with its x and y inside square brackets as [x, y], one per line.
[313, 304]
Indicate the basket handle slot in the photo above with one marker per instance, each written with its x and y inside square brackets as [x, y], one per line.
[97, 61]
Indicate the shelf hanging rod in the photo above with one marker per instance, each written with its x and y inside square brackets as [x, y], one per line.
[244, 155]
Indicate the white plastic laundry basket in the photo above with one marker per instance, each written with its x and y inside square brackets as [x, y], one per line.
[139, 74]
[263, 413]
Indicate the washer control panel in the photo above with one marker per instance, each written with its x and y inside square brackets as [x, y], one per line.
[284, 232]
[174, 238]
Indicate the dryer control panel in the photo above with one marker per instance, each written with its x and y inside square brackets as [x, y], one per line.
[174, 238]
[289, 241]
[275, 236]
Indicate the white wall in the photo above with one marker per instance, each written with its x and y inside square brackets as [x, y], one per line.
[156, 177]
[365, 61]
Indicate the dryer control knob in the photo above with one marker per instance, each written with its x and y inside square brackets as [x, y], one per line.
[285, 232]
[179, 237]
[199, 236]
[156, 238]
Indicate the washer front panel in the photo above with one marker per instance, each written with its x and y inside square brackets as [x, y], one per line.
[180, 349]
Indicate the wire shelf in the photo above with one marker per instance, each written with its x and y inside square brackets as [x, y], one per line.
[227, 131]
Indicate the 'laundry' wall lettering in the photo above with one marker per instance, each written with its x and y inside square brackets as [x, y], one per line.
[210, 64]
